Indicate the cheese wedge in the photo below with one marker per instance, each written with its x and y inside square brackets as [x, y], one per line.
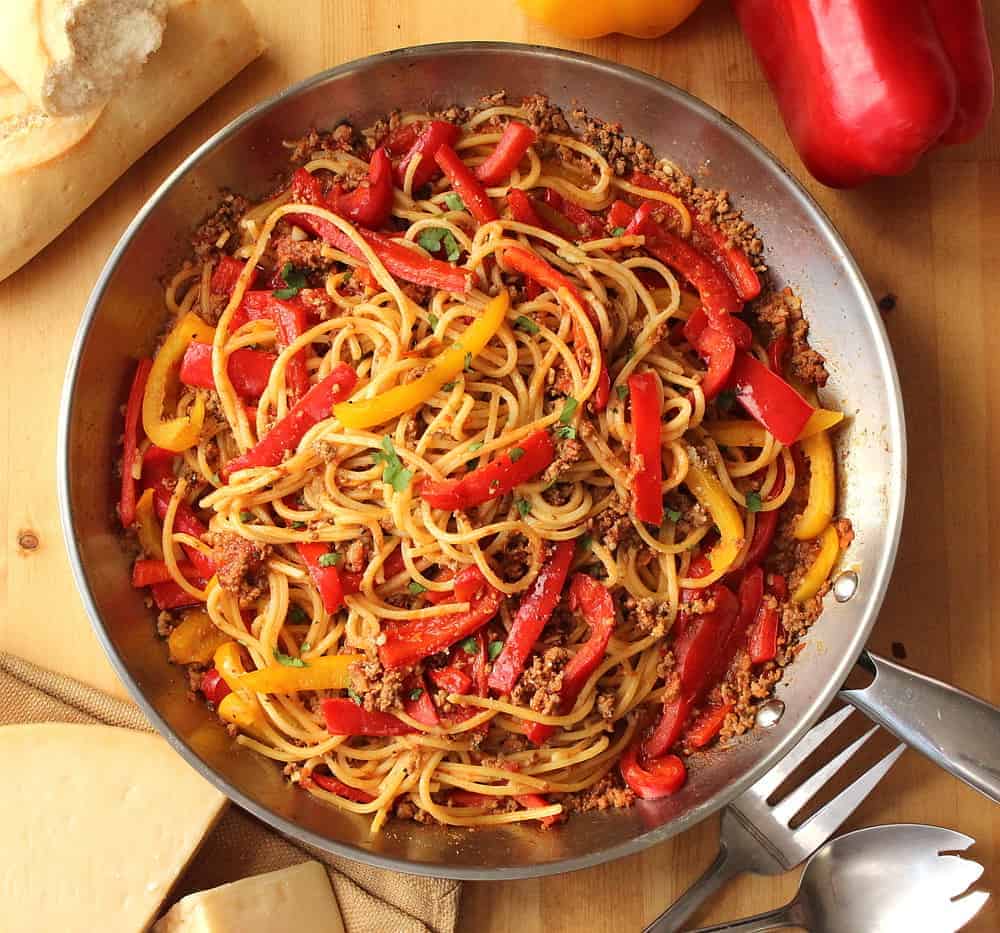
[297, 898]
[97, 824]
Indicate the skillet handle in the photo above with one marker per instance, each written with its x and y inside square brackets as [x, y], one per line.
[956, 730]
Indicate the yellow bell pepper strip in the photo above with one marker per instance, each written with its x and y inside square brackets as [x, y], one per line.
[196, 639]
[229, 664]
[147, 526]
[326, 673]
[822, 492]
[244, 714]
[741, 432]
[178, 433]
[366, 413]
[644, 19]
[707, 489]
[822, 419]
[819, 571]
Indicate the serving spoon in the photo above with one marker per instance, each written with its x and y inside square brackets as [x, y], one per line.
[889, 879]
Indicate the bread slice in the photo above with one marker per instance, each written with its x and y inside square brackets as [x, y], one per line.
[69, 56]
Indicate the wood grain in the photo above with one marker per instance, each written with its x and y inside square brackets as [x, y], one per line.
[931, 239]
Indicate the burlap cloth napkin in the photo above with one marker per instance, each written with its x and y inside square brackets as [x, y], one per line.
[371, 900]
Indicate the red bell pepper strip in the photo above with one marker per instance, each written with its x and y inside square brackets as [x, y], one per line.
[732, 326]
[465, 184]
[657, 778]
[435, 134]
[334, 786]
[450, 678]
[214, 686]
[513, 144]
[620, 214]
[248, 369]
[408, 642]
[392, 566]
[763, 644]
[312, 408]
[593, 600]
[368, 205]
[225, 275]
[644, 394]
[133, 413]
[763, 535]
[707, 725]
[150, 571]
[769, 399]
[711, 240]
[345, 717]
[326, 577]
[523, 210]
[532, 802]
[468, 798]
[750, 594]
[576, 214]
[497, 478]
[291, 321]
[777, 350]
[719, 352]
[401, 139]
[400, 261]
[929, 59]
[532, 615]
[420, 706]
[468, 582]
[170, 595]
[187, 523]
[533, 267]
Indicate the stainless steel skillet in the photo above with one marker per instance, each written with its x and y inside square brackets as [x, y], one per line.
[125, 314]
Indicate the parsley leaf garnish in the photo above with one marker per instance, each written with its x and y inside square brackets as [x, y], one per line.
[622, 391]
[515, 454]
[355, 696]
[569, 406]
[416, 588]
[525, 323]
[476, 445]
[298, 525]
[433, 320]
[493, 649]
[469, 645]
[294, 278]
[346, 277]
[618, 231]
[297, 616]
[754, 503]
[448, 386]
[288, 660]
[454, 202]
[523, 507]
[436, 238]
[566, 432]
[586, 542]
[305, 647]
[246, 516]
[330, 559]
[673, 515]
[416, 693]
[394, 473]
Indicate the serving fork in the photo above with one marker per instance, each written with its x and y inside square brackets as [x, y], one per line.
[758, 837]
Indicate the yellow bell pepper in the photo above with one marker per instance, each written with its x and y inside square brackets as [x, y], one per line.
[644, 19]
[245, 714]
[822, 419]
[741, 432]
[229, 664]
[819, 572]
[147, 526]
[366, 413]
[196, 639]
[326, 673]
[822, 487]
[707, 489]
[181, 432]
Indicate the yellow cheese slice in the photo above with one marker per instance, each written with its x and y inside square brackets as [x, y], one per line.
[297, 898]
[97, 824]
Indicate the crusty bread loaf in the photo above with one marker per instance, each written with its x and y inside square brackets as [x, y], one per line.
[52, 168]
[68, 56]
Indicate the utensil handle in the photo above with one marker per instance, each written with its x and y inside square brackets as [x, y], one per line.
[956, 730]
[791, 915]
[713, 878]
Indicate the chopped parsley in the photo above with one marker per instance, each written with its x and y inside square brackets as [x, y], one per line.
[473, 463]
[468, 361]
[476, 445]
[515, 454]
[494, 649]
[673, 515]
[246, 516]
[433, 320]
[586, 542]
[294, 278]
[566, 432]
[569, 407]
[454, 202]
[448, 386]
[523, 507]
[394, 473]
[297, 616]
[618, 231]
[469, 645]
[298, 525]
[346, 277]
[754, 503]
[416, 588]
[355, 696]
[416, 693]
[288, 660]
[305, 647]
[435, 238]
[330, 559]
[525, 323]
[725, 400]
[216, 479]
[622, 392]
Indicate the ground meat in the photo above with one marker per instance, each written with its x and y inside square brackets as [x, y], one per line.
[380, 689]
[314, 144]
[540, 685]
[557, 630]
[515, 558]
[624, 153]
[610, 791]
[649, 616]
[221, 226]
[568, 452]
[239, 564]
[782, 312]
[303, 254]
[559, 494]
[606, 703]
[407, 810]
[544, 116]
[356, 556]
[418, 294]
[744, 689]
[165, 624]
[845, 532]
[613, 525]
[318, 301]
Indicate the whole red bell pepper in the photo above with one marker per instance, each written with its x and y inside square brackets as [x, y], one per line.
[248, 369]
[312, 408]
[513, 144]
[133, 412]
[434, 134]
[369, 204]
[768, 399]
[866, 87]
[408, 642]
[465, 184]
[325, 575]
[653, 778]
[333, 785]
[534, 612]
[345, 717]
[645, 398]
[500, 476]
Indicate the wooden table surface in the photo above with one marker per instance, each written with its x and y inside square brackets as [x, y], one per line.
[930, 239]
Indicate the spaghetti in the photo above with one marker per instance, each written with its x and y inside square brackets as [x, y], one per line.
[466, 492]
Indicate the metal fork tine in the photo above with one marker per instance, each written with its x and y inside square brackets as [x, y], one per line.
[808, 789]
[964, 909]
[825, 821]
[808, 744]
